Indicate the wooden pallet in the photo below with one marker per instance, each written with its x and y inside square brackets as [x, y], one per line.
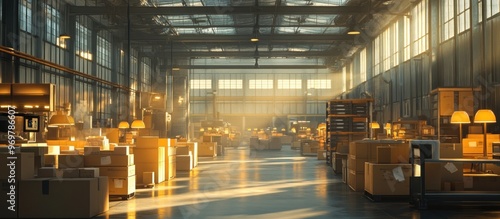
[387, 198]
[122, 197]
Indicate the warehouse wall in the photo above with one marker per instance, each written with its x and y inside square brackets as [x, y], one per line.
[454, 62]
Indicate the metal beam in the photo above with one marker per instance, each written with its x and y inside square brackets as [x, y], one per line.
[217, 10]
[249, 54]
[150, 27]
[252, 67]
[290, 38]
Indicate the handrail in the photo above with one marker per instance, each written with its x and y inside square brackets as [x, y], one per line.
[28, 57]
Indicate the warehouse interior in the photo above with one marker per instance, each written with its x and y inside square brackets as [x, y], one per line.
[264, 108]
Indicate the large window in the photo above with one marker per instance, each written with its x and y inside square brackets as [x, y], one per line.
[25, 16]
[83, 41]
[289, 84]
[362, 65]
[492, 8]
[103, 52]
[376, 56]
[230, 84]
[52, 24]
[419, 27]
[407, 38]
[463, 15]
[260, 84]
[200, 84]
[319, 84]
[447, 19]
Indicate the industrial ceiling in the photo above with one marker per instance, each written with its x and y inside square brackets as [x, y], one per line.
[225, 28]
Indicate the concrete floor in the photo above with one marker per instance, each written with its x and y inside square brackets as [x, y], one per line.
[271, 184]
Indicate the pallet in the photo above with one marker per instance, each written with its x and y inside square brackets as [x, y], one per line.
[122, 197]
[386, 198]
[139, 186]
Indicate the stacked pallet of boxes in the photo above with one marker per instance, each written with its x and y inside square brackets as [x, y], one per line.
[117, 165]
[366, 151]
[346, 121]
[473, 144]
[193, 148]
[184, 158]
[150, 158]
[275, 143]
[47, 195]
[171, 161]
[207, 149]
[66, 145]
[389, 175]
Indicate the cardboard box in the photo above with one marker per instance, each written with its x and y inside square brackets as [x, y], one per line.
[356, 180]
[24, 165]
[70, 161]
[117, 172]
[384, 155]
[387, 179]
[148, 178]
[193, 148]
[108, 160]
[182, 150]
[451, 150]
[70, 173]
[51, 160]
[48, 198]
[149, 155]
[157, 167]
[91, 150]
[356, 164]
[184, 162]
[207, 149]
[122, 150]
[121, 186]
[88, 172]
[47, 172]
[170, 167]
[484, 182]
[321, 154]
[151, 142]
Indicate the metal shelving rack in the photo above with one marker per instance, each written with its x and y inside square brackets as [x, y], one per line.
[347, 120]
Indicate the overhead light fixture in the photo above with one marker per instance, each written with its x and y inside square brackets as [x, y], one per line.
[353, 32]
[64, 36]
[176, 68]
[254, 39]
[59, 119]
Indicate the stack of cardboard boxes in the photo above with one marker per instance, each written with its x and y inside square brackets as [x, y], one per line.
[207, 149]
[171, 160]
[184, 159]
[117, 165]
[193, 149]
[366, 151]
[150, 157]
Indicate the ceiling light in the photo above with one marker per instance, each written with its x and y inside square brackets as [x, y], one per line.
[123, 125]
[59, 119]
[176, 68]
[64, 36]
[254, 39]
[353, 32]
[138, 124]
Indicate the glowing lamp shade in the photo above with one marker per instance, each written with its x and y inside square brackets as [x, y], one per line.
[71, 120]
[374, 125]
[138, 124]
[485, 116]
[460, 117]
[123, 125]
[387, 126]
[59, 119]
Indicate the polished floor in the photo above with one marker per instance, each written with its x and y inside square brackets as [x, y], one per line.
[271, 184]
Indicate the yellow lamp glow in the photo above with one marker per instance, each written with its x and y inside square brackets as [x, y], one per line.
[123, 125]
[138, 124]
[460, 117]
[59, 119]
[374, 125]
[485, 116]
